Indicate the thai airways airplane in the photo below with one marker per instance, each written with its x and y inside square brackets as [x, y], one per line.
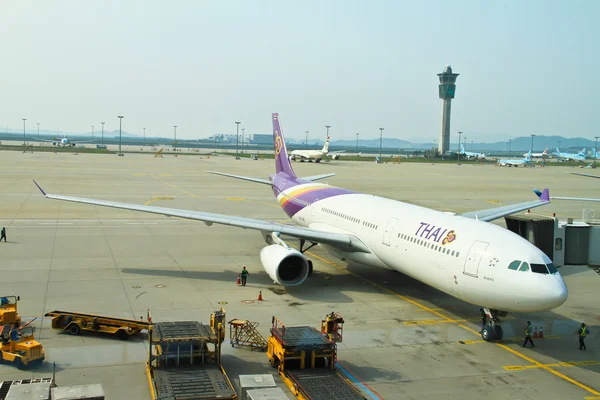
[62, 142]
[524, 162]
[570, 156]
[471, 155]
[544, 154]
[315, 155]
[462, 255]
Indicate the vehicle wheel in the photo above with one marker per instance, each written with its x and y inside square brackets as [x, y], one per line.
[74, 329]
[487, 333]
[1, 358]
[19, 363]
[121, 334]
[310, 267]
[498, 332]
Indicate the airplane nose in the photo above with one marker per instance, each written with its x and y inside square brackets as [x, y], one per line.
[558, 293]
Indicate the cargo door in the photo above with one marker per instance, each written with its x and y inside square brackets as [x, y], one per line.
[474, 257]
[388, 231]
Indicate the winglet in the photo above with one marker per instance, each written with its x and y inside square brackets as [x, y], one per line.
[544, 196]
[38, 186]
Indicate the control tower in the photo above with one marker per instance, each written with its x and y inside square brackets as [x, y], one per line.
[447, 90]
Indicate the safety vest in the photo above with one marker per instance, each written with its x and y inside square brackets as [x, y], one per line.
[528, 330]
[244, 272]
[582, 333]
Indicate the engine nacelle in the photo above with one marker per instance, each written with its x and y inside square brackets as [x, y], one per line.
[287, 267]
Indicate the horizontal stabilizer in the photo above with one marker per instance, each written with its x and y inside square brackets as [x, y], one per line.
[318, 177]
[245, 178]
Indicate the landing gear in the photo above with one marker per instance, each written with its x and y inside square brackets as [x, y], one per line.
[492, 331]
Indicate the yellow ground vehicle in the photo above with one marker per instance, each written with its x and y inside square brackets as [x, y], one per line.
[182, 366]
[306, 359]
[8, 310]
[18, 346]
[74, 323]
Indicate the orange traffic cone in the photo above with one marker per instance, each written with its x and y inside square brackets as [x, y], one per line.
[239, 282]
[535, 332]
[541, 335]
[260, 296]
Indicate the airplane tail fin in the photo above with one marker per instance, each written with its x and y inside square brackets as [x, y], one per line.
[462, 149]
[545, 151]
[282, 161]
[326, 146]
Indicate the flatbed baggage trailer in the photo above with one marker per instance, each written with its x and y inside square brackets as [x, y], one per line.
[74, 323]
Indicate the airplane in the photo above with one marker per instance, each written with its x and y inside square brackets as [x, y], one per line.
[570, 156]
[316, 155]
[462, 255]
[471, 155]
[524, 162]
[62, 142]
[544, 154]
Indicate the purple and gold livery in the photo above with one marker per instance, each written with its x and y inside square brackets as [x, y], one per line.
[293, 193]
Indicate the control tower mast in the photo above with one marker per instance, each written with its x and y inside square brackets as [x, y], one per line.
[447, 89]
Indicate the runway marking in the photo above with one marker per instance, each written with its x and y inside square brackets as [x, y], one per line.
[157, 198]
[55, 223]
[510, 339]
[142, 223]
[433, 311]
[553, 365]
[367, 389]
[139, 174]
[235, 198]
[173, 186]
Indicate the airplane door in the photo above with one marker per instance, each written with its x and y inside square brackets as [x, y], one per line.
[474, 257]
[388, 231]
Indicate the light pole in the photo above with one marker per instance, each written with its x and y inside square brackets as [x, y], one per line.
[38, 124]
[306, 142]
[357, 143]
[120, 120]
[380, 142]
[175, 138]
[237, 135]
[595, 150]
[459, 133]
[327, 126]
[92, 132]
[465, 146]
[102, 132]
[509, 143]
[24, 119]
[144, 133]
[243, 129]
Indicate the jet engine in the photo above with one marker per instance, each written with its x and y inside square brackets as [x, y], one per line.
[285, 266]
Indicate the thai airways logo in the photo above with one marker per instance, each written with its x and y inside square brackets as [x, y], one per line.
[278, 143]
[435, 233]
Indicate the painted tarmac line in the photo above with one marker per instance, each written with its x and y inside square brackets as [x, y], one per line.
[433, 311]
[366, 388]
[553, 365]
[173, 186]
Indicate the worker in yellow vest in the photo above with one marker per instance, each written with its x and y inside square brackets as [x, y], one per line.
[528, 334]
[583, 332]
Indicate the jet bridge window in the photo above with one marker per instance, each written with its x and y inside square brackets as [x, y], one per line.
[524, 266]
[514, 265]
[539, 268]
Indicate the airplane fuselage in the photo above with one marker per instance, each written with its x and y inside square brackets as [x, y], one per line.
[316, 155]
[465, 258]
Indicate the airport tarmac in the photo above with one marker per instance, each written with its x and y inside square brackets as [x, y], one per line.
[402, 339]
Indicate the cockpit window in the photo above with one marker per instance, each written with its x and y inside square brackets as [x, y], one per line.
[539, 268]
[514, 265]
[552, 268]
[524, 266]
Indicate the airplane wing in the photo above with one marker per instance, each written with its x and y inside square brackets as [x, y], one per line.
[343, 241]
[491, 214]
[588, 175]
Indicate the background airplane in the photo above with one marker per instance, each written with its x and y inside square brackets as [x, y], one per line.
[462, 255]
[62, 142]
[538, 155]
[315, 155]
[516, 163]
[570, 156]
[470, 155]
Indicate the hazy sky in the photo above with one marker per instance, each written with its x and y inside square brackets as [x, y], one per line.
[525, 66]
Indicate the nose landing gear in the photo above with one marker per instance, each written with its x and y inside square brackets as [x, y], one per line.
[492, 331]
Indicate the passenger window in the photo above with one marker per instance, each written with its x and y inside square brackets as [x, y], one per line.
[457, 253]
[524, 267]
[514, 265]
[539, 268]
[552, 268]
[452, 253]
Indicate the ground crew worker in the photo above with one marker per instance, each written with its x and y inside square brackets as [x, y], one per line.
[528, 335]
[583, 331]
[483, 318]
[3, 234]
[244, 275]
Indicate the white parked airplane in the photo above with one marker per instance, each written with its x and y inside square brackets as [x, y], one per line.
[462, 255]
[315, 155]
[544, 154]
[62, 142]
[509, 162]
[470, 155]
[570, 156]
